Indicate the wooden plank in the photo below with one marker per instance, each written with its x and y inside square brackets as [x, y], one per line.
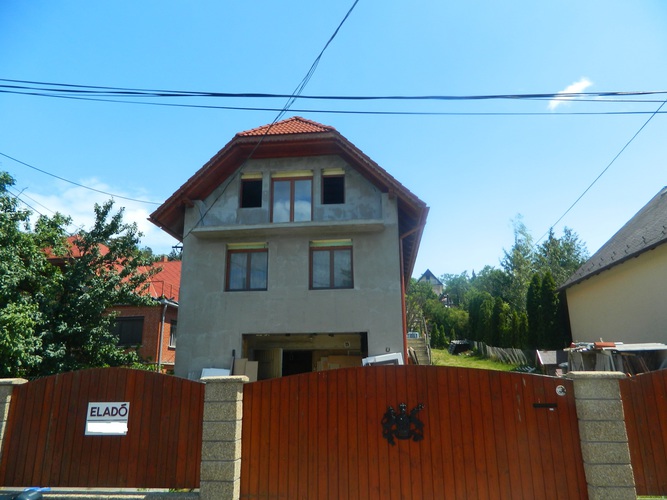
[246, 439]
[12, 457]
[385, 482]
[414, 377]
[483, 449]
[497, 431]
[284, 416]
[436, 435]
[358, 462]
[659, 437]
[136, 395]
[295, 422]
[372, 416]
[79, 465]
[342, 425]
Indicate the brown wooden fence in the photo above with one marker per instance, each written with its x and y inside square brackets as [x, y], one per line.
[486, 434]
[45, 442]
[645, 407]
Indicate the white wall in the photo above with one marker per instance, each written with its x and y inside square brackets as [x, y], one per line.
[627, 303]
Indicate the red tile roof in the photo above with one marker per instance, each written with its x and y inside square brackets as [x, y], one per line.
[295, 125]
[167, 281]
[293, 137]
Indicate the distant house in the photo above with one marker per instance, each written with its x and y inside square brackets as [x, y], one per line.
[436, 284]
[297, 248]
[151, 328]
[618, 295]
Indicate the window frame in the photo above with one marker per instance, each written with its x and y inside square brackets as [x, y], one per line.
[173, 332]
[332, 249]
[248, 269]
[292, 189]
[133, 320]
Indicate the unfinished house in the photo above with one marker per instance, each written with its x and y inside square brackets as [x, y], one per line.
[297, 248]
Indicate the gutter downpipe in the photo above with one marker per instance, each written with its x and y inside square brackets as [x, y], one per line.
[405, 320]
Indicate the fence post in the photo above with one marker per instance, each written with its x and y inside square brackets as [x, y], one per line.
[604, 439]
[220, 475]
[6, 388]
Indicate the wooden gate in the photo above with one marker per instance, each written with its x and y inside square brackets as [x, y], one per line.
[45, 443]
[486, 435]
[645, 408]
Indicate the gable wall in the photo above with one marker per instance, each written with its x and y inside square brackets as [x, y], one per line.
[623, 304]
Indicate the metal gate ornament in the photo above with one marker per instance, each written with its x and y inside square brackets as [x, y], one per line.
[403, 425]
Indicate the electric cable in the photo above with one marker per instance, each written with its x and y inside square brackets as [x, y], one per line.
[656, 112]
[76, 183]
[298, 90]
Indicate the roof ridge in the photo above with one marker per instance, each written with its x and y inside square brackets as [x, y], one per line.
[293, 125]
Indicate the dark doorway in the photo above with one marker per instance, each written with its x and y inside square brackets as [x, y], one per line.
[295, 362]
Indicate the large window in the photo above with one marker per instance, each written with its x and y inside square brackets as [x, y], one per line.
[292, 199]
[247, 267]
[331, 264]
[129, 330]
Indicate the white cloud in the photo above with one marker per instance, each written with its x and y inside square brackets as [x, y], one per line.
[78, 203]
[575, 88]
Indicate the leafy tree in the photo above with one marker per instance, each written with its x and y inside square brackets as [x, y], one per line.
[52, 314]
[104, 268]
[561, 256]
[534, 312]
[417, 296]
[26, 282]
[456, 287]
[518, 264]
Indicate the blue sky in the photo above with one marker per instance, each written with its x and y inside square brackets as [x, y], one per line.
[476, 172]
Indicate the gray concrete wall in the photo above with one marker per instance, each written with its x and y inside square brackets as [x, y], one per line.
[213, 321]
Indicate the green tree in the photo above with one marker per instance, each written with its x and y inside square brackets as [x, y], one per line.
[26, 281]
[518, 264]
[534, 312]
[52, 317]
[561, 256]
[105, 268]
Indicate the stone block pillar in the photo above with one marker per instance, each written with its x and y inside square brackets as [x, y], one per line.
[604, 440]
[221, 439]
[6, 388]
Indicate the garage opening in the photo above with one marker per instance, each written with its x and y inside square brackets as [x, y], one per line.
[280, 355]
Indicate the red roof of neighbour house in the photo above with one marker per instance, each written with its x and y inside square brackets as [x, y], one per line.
[294, 137]
[167, 281]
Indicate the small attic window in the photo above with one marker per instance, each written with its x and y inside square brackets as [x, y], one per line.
[333, 189]
[251, 193]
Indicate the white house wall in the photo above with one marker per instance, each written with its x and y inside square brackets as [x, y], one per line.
[212, 321]
[627, 303]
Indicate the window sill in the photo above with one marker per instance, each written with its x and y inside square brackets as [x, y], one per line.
[294, 228]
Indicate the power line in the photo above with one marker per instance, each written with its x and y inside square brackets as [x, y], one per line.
[656, 112]
[297, 91]
[356, 112]
[76, 183]
[122, 91]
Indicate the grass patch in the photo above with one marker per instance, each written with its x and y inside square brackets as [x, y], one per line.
[441, 357]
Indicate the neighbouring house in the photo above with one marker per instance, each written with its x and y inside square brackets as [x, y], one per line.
[154, 327]
[297, 248]
[618, 295]
[150, 328]
[436, 284]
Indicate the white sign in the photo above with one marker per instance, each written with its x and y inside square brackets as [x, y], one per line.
[107, 419]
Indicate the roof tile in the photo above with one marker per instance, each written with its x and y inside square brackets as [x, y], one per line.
[294, 125]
